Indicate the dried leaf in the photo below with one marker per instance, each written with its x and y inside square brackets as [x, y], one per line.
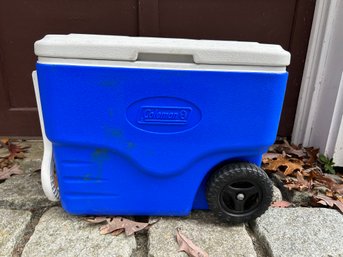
[299, 183]
[284, 164]
[17, 150]
[116, 226]
[312, 172]
[4, 152]
[324, 200]
[5, 163]
[270, 156]
[301, 172]
[6, 173]
[337, 188]
[325, 180]
[20, 155]
[129, 226]
[289, 149]
[23, 145]
[4, 141]
[291, 186]
[335, 177]
[187, 246]
[329, 193]
[117, 232]
[312, 154]
[303, 184]
[297, 153]
[281, 204]
[152, 222]
[96, 220]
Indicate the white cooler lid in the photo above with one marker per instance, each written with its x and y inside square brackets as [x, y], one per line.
[123, 48]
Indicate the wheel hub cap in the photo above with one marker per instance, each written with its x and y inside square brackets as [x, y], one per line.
[240, 198]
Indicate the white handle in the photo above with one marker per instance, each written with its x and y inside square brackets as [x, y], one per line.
[47, 169]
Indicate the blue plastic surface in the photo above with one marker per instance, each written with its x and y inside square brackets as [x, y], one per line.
[131, 141]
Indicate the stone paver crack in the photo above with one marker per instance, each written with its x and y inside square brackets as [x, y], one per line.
[260, 248]
[28, 231]
[142, 244]
[12, 228]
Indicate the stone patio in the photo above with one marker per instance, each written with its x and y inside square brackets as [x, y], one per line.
[30, 225]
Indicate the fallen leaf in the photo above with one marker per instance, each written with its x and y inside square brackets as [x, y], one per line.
[96, 220]
[284, 164]
[17, 150]
[5, 163]
[117, 232]
[329, 193]
[152, 222]
[297, 153]
[312, 173]
[327, 201]
[303, 184]
[4, 152]
[322, 202]
[338, 188]
[187, 246]
[6, 173]
[312, 154]
[270, 156]
[117, 225]
[298, 168]
[289, 149]
[4, 141]
[291, 186]
[281, 204]
[300, 185]
[325, 180]
[129, 226]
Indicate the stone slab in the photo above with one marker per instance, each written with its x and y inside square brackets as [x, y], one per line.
[12, 228]
[23, 192]
[216, 238]
[301, 232]
[59, 234]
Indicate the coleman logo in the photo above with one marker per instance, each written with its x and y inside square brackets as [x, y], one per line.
[164, 115]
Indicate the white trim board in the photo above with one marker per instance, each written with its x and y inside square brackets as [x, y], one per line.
[319, 111]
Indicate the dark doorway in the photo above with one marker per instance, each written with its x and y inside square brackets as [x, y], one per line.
[284, 22]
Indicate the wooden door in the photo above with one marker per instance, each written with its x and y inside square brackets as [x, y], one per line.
[284, 22]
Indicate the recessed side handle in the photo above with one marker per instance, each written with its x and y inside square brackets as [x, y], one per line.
[158, 57]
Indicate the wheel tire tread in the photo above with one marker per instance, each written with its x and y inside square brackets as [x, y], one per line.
[229, 172]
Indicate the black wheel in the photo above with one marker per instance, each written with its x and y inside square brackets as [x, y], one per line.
[239, 192]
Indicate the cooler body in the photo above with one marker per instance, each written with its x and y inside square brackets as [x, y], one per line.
[142, 140]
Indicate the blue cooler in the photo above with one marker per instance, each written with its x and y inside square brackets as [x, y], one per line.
[158, 126]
